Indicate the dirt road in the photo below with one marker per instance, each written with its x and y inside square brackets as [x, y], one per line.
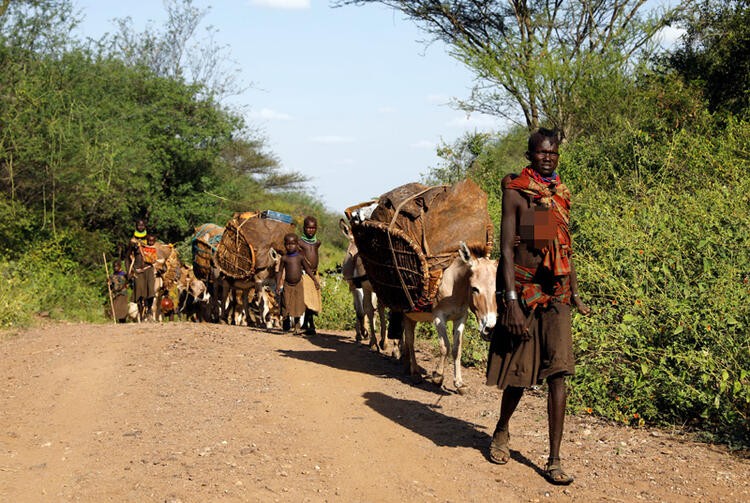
[180, 412]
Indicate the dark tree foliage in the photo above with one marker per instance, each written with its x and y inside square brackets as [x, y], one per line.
[714, 54]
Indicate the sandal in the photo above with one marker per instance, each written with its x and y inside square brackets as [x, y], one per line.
[555, 474]
[499, 450]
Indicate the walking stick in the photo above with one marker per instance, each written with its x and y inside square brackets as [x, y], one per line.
[109, 289]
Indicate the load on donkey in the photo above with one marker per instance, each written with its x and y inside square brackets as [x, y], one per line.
[247, 255]
[426, 253]
[204, 243]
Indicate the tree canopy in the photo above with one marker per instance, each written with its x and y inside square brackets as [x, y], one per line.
[93, 138]
[714, 53]
[542, 60]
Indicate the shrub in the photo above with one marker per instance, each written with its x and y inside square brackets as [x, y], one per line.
[45, 279]
[338, 310]
[662, 254]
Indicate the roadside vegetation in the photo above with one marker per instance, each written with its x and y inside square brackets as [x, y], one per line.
[656, 151]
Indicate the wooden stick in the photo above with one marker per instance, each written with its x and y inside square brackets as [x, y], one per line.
[109, 289]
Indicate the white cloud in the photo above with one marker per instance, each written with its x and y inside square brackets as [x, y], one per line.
[282, 4]
[332, 139]
[423, 144]
[669, 36]
[345, 162]
[270, 115]
[386, 109]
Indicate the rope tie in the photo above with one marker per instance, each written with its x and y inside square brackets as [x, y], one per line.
[404, 288]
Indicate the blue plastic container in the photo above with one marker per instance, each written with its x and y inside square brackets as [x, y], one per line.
[275, 215]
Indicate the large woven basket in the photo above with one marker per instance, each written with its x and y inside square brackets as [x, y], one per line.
[395, 264]
[235, 256]
[204, 243]
[170, 268]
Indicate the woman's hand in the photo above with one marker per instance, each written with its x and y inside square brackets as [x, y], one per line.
[582, 308]
[514, 320]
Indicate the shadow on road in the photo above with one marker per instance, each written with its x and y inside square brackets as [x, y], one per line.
[425, 419]
[343, 353]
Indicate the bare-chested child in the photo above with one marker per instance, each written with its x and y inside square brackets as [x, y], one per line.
[289, 278]
[308, 247]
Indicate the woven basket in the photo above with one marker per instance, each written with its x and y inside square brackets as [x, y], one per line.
[172, 273]
[204, 243]
[234, 255]
[395, 264]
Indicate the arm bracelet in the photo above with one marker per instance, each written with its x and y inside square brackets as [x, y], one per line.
[511, 295]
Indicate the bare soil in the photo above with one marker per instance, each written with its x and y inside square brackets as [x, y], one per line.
[181, 412]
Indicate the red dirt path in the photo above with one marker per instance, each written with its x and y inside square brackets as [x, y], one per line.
[181, 412]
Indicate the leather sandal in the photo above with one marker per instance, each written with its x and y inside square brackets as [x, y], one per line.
[554, 474]
[499, 449]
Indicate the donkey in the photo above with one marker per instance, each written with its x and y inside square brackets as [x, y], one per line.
[364, 298]
[468, 283]
[235, 292]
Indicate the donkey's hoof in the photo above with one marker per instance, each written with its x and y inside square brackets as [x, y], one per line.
[436, 378]
[462, 389]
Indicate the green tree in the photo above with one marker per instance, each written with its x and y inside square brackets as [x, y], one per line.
[174, 51]
[40, 27]
[545, 58]
[713, 54]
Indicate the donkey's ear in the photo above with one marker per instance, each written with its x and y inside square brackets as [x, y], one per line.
[464, 253]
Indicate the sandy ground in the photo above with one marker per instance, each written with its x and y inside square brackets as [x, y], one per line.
[181, 412]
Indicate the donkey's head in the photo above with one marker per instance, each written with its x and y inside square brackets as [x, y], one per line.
[482, 301]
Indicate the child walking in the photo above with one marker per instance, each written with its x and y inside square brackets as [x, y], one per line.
[118, 285]
[308, 247]
[289, 280]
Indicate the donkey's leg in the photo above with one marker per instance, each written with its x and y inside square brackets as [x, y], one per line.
[369, 310]
[359, 312]
[411, 366]
[382, 319]
[442, 330]
[458, 330]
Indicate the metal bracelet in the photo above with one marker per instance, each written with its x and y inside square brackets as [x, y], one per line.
[511, 295]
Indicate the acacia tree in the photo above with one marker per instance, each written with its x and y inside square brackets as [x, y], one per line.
[538, 56]
[174, 51]
[41, 27]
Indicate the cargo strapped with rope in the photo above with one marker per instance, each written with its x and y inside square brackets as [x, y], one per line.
[412, 234]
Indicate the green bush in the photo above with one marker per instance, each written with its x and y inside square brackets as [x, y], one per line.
[662, 253]
[46, 280]
[338, 310]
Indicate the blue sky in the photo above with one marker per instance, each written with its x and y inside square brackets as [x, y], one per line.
[348, 96]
